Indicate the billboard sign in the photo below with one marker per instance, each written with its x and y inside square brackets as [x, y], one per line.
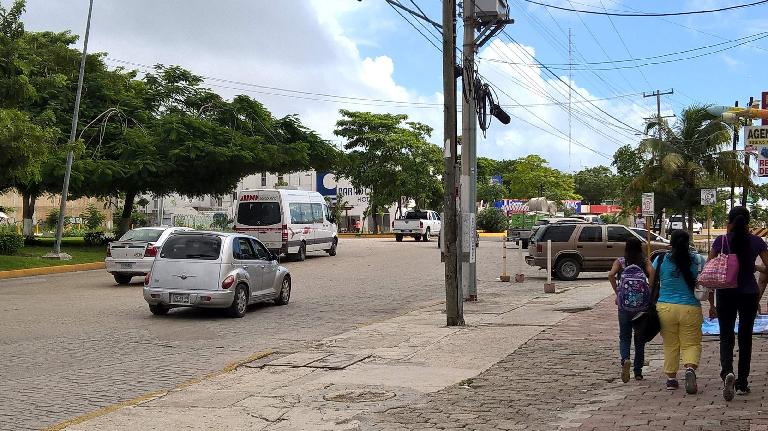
[756, 140]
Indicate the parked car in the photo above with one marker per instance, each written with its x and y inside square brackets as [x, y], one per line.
[642, 233]
[548, 221]
[581, 247]
[215, 270]
[419, 224]
[678, 222]
[132, 255]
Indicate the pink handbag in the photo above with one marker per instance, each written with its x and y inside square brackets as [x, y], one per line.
[721, 272]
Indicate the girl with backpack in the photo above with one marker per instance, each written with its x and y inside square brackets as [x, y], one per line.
[679, 311]
[741, 301]
[633, 295]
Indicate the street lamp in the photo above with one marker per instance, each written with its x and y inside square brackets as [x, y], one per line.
[56, 253]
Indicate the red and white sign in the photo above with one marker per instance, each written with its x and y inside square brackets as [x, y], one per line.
[756, 137]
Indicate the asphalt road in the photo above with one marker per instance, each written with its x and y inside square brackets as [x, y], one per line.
[73, 343]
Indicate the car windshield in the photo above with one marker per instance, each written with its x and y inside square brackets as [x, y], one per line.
[205, 247]
[145, 235]
[258, 213]
[415, 215]
[676, 218]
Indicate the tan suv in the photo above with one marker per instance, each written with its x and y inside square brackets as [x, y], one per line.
[581, 247]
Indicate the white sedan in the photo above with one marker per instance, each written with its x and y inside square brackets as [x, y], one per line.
[132, 255]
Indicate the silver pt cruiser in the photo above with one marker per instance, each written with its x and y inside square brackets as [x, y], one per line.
[215, 270]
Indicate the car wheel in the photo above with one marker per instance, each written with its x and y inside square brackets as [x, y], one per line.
[239, 303]
[427, 235]
[285, 292]
[301, 256]
[417, 238]
[158, 310]
[332, 251]
[122, 278]
[567, 269]
[398, 237]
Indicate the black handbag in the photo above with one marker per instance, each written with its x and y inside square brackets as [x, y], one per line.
[646, 323]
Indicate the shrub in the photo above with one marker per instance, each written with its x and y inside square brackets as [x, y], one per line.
[94, 238]
[10, 241]
[52, 219]
[492, 220]
[93, 218]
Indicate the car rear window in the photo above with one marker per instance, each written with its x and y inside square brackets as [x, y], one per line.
[205, 247]
[556, 233]
[145, 235]
[591, 234]
[416, 215]
[258, 213]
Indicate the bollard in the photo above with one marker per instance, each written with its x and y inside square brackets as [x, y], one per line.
[504, 277]
[519, 276]
[549, 287]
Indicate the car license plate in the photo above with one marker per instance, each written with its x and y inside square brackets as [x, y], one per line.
[407, 230]
[179, 298]
[126, 265]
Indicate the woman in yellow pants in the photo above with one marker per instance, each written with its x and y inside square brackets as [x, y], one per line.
[679, 310]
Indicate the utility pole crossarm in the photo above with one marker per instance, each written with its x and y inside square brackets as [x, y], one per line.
[419, 15]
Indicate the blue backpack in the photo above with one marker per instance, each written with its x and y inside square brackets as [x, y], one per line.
[633, 291]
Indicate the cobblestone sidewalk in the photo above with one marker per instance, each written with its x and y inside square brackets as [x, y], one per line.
[567, 377]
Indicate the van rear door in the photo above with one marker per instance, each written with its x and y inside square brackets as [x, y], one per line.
[260, 213]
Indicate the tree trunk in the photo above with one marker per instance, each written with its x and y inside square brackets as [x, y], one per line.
[690, 222]
[28, 214]
[125, 217]
[375, 218]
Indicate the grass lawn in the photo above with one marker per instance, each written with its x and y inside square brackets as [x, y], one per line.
[30, 256]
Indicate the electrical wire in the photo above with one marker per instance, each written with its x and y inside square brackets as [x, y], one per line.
[651, 14]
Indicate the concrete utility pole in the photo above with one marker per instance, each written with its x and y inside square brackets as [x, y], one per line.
[454, 306]
[658, 95]
[736, 128]
[57, 254]
[468, 158]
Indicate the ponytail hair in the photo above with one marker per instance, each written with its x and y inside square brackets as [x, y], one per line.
[681, 256]
[738, 218]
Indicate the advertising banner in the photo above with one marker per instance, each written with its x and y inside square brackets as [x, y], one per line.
[756, 140]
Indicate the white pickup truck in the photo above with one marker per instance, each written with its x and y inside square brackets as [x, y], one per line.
[419, 224]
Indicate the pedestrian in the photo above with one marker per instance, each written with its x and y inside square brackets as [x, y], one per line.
[679, 311]
[633, 295]
[741, 302]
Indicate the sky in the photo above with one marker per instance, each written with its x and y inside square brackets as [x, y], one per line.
[314, 57]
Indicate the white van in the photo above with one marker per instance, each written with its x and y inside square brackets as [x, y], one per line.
[291, 222]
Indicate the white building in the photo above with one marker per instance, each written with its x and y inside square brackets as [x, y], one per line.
[195, 212]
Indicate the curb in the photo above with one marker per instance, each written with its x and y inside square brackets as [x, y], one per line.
[45, 270]
[152, 395]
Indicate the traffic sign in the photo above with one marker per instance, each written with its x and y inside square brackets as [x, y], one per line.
[708, 196]
[648, 205]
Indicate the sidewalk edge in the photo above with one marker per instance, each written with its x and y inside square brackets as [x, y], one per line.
[152, 395]
[46, 270]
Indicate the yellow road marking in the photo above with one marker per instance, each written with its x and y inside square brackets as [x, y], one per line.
[152, 395]
[45, 270]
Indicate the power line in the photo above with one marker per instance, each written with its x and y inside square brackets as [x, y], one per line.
[651, 14]
[626, 48]
[414, 26]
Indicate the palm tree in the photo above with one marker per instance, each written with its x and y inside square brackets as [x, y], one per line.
[689, 156]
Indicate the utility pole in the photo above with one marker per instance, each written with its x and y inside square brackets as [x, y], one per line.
[570, 87]
[454, 306]
[468, 157]
[658, 95]
[57, 254]
[744, 190]
[736, 127]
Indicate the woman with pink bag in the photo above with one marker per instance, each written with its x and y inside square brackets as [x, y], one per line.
[740, 301]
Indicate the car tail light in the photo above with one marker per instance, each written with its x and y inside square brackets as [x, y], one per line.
[393, 224]
[539, 248]
[151, 251]
[109, 251]
[421, 225]
[147, 279]
[228, 282]
[285, 232]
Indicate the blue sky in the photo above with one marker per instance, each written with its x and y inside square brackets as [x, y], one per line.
[365, 50]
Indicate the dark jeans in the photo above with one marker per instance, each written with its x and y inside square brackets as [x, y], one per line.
[625, 341]
[729, 305]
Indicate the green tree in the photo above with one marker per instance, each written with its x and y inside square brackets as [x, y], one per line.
[23, 148]
[596, 184]
[531, 175]
[689, 156]
[390, 157]
[629, 163]
[492, 220]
